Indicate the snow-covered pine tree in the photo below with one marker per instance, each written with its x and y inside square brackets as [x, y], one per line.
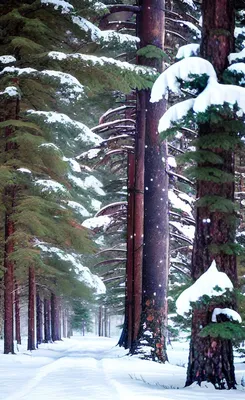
[218, 111]
[32, 25]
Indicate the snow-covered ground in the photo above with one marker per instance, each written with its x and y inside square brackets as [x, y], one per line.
[94, 368]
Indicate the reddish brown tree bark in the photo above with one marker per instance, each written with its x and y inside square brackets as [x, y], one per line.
[17, 314]
[39, 319]
[156, 233]
[211, 359]
[9, 111]
[130, 253]
[31, 310]
[47, 320]
[55, 318]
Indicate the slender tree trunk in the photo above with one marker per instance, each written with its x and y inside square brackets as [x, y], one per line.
[47, 319]
[100, 333]
[55, 318]
[127, 332]
[64, 323]
[39, 327]
[138, 214]
[31, 310]
[83, 327]
[211, 359]
[17, 314]
[106, 322]
[9, 110]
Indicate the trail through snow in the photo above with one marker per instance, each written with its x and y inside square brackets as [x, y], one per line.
[94, 368]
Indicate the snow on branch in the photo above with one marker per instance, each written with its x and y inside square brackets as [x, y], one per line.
[205, 285]
[10, 91]
[214, 94]
[52, 117]
[83, 273]
[189, 3]
[188, 50]
[63, 5]
[7, 59]
[102, 61]
[236, 56]
[97, 35]
[72, 85]
[182, 70]
[49, 185]
[175, 113]
[103, 221]
[218, 94]
[231, 314]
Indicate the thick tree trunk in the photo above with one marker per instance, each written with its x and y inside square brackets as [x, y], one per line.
[211, 359]
[156, 228]
[39, 327]
[31, 310]
[17, 314]
[47, 319]
[55, 318]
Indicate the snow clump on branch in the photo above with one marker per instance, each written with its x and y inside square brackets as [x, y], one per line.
[205, 285]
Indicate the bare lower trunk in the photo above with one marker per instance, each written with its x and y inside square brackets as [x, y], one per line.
[17, 314]
[138, 214]
[47, 319]
[31, 310]
[64, 322]
[127, 332]
[39, 319]
[55, 318]
[9, 289]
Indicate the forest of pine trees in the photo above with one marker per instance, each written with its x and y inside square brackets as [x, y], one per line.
[122, 175]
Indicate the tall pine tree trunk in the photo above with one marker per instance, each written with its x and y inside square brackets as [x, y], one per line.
[17, 314]
[31, 310]
[47, 319]
[64, 323]
[156, 227]
[9, 111]
[127, 332]
[211, 359]
[39, 320]
[138, 240]
[55, 318]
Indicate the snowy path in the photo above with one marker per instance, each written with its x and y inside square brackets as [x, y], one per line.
[93, 368]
